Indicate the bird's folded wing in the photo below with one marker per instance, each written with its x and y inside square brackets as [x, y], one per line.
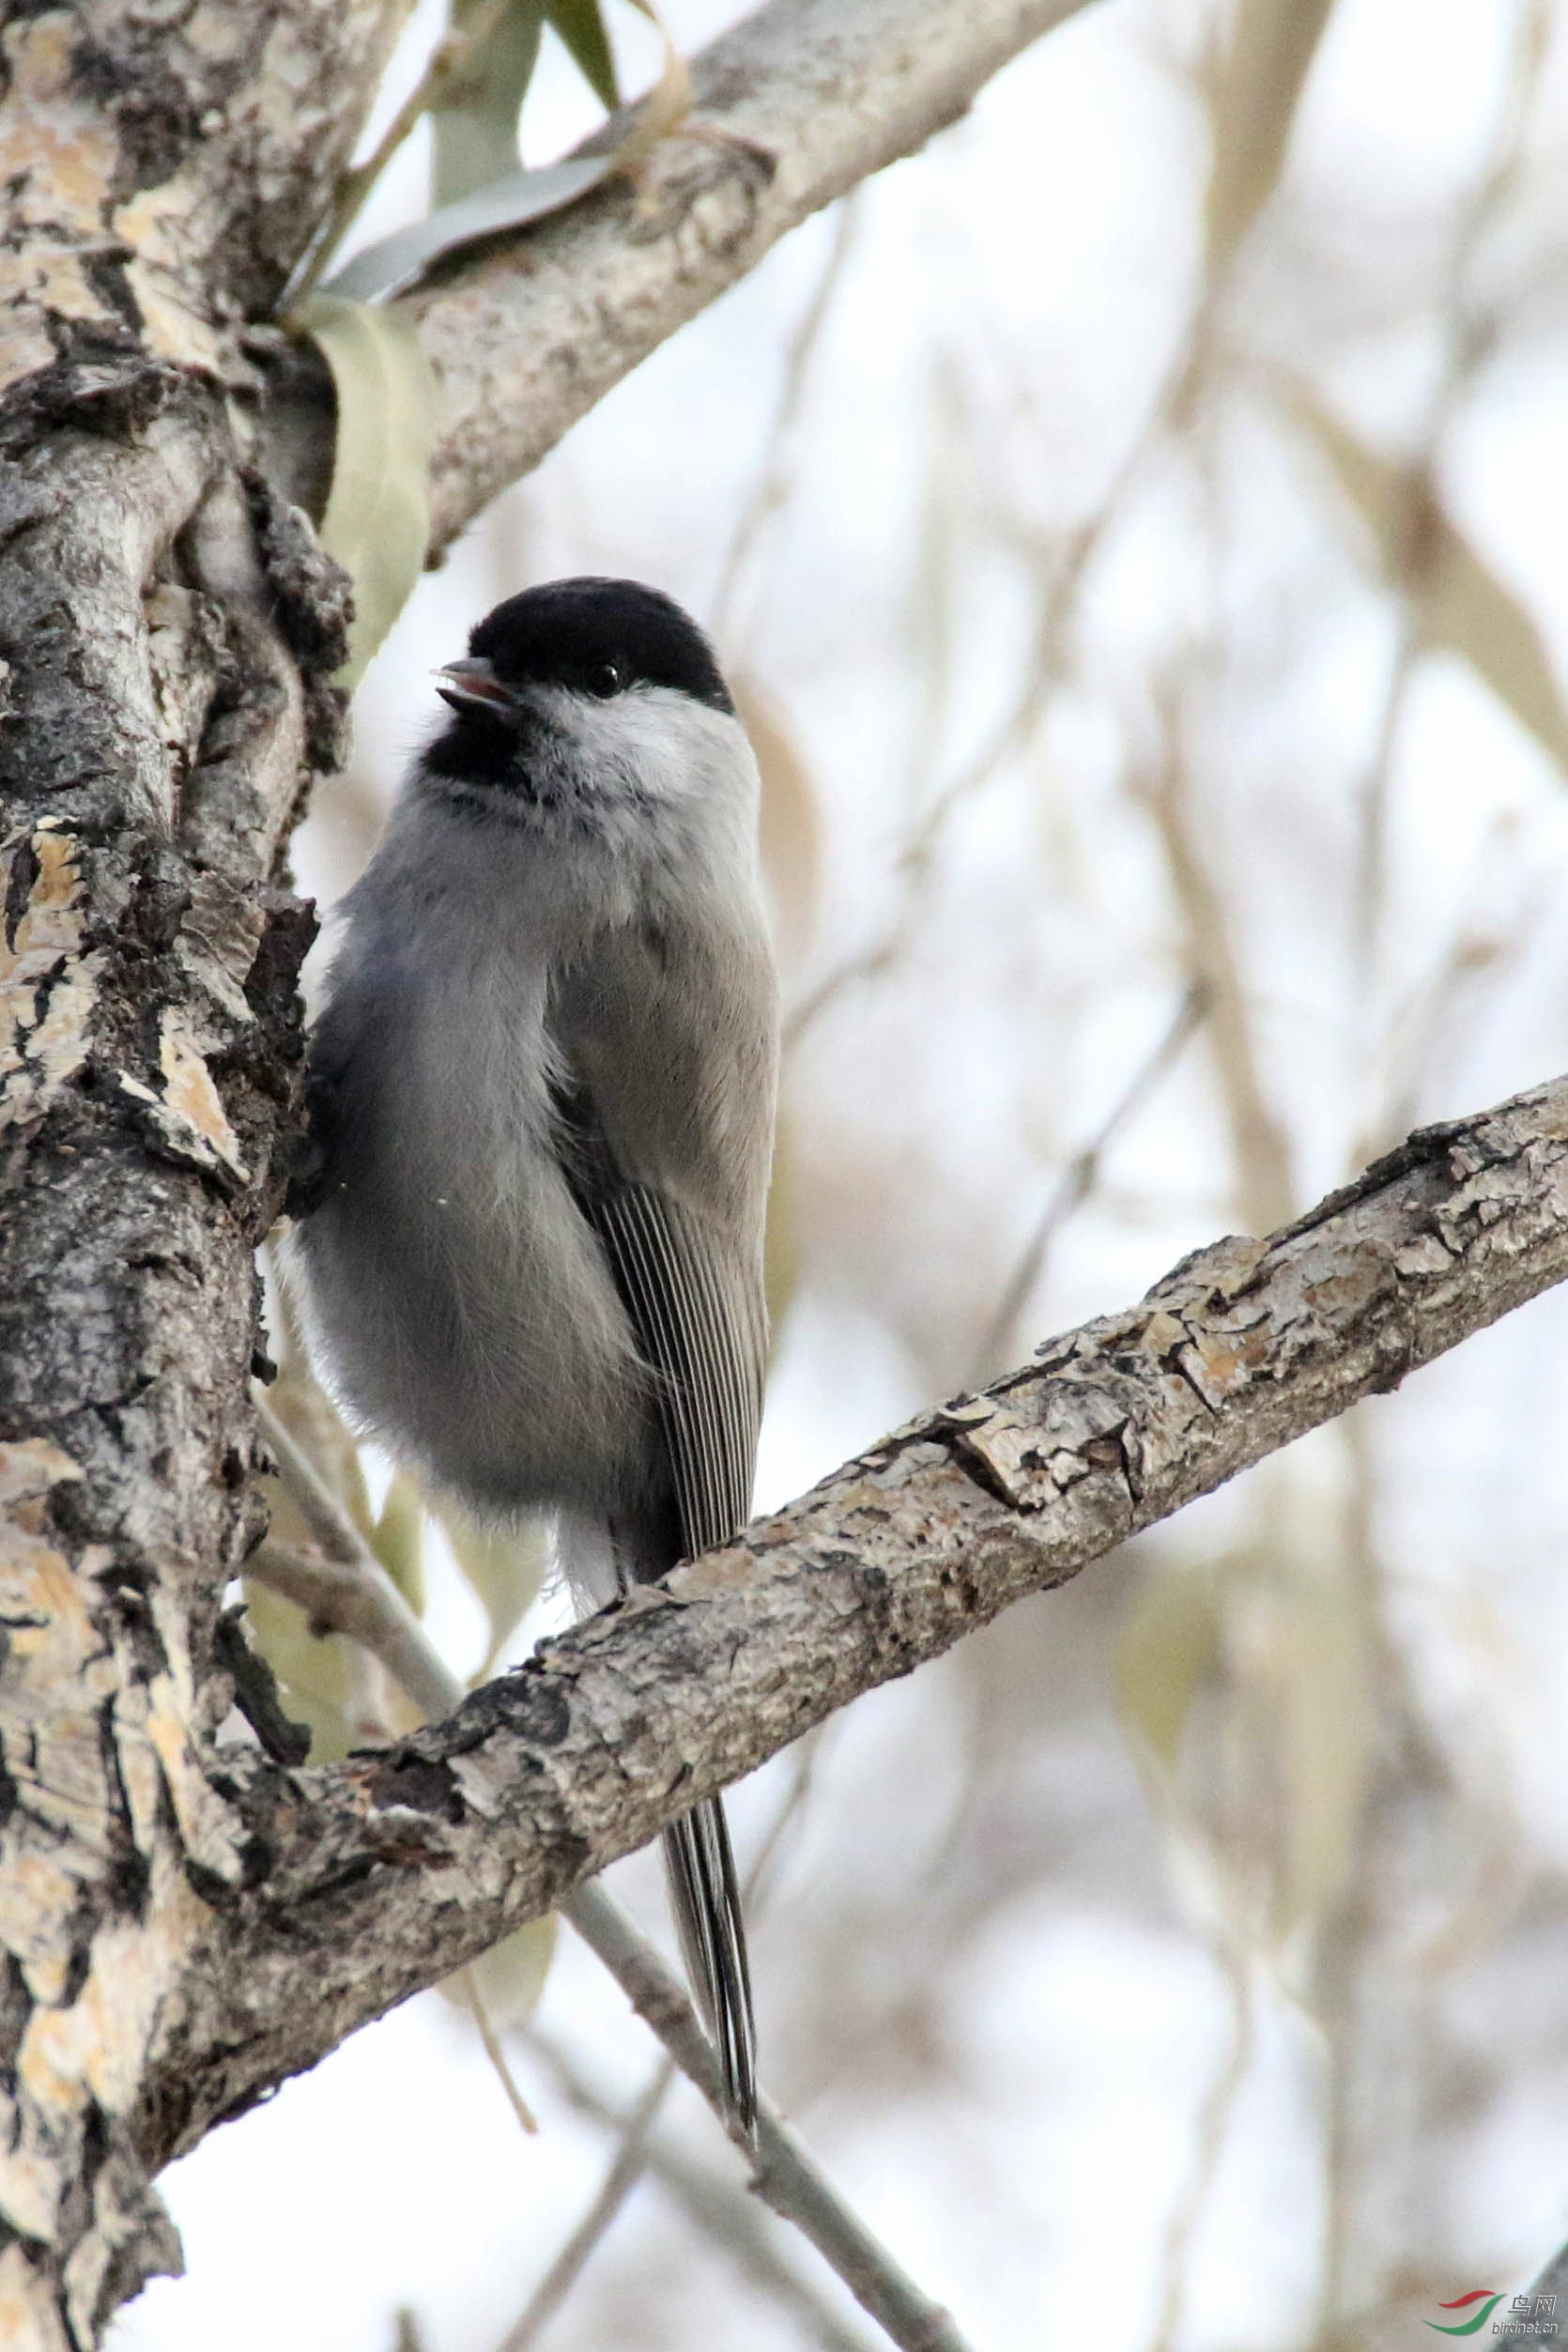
[699, 1324]
[690, 1325]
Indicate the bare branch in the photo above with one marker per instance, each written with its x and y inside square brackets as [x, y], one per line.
[1262, 1148]
[382, 1874]
[707, 2199]
[625, 2169]
[785, 2175]
[772, 487]
[791, 109]
[1214, 2122]
[349, 1591]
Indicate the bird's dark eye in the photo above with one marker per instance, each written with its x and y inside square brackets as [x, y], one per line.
[604, 680]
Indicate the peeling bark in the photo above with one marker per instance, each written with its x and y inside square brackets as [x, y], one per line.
[365, 1881]
[149, 1050]
[166, 636]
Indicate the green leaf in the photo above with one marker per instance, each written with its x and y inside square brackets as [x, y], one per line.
[395, 263]
[515, 199]
[398, 1540]
[1171, 1645]
[377, 518]
[315, 1671]
[509, 1975]
[581, 27]
[503, 1572]
[475, 121]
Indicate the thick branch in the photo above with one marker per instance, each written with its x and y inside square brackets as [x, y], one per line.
[795, 106]
[371, 1879]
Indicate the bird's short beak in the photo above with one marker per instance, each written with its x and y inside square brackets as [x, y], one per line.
[471, 684]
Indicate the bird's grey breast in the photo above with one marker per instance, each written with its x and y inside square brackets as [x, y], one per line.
[463, 1302]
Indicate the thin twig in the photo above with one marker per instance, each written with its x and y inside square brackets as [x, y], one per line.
[1213, 2125]
[916, 862]
[773, 479]
[349, 1591]
[785, 2175]
[497, 2055]
[1469, 333]
[409, 2336]
[708, 2199]
[636, 2150]
[1260, 1147]
[1359, 2068]
[448, 58]
[1079, 1178]
[627, 2169]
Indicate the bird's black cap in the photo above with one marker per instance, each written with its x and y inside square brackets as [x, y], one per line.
[600, 637]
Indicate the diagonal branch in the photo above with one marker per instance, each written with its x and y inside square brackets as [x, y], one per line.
[793, 108]
[691, 2186]
[367, 1880]
[351, 1593]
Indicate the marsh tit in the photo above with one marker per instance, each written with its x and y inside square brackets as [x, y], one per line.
[543, 1084]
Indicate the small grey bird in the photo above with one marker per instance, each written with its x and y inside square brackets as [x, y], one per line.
[543, 1088]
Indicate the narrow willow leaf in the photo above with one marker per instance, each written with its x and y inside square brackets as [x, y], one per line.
[514, 200]
[1171, 1645]
[1319, 1709]
[315, 1671]
[397, 262]
[1253, 109]
[1463, 606]
[398, 1540]
[475, 122]
[377, 518]
[503, 1572]
[1470, 612]
[509, 1975]
[580, 24]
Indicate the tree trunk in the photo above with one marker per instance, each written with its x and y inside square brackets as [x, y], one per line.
[167, 629]
[184, 1924]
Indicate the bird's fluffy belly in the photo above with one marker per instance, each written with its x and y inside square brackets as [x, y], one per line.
[471, 1319]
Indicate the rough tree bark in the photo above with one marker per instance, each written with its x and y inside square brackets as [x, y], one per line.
[183, 1924]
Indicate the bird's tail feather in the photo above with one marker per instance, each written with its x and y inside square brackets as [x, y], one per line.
[706, 1899]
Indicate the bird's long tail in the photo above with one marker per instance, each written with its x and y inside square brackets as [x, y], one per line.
[706, 1896]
